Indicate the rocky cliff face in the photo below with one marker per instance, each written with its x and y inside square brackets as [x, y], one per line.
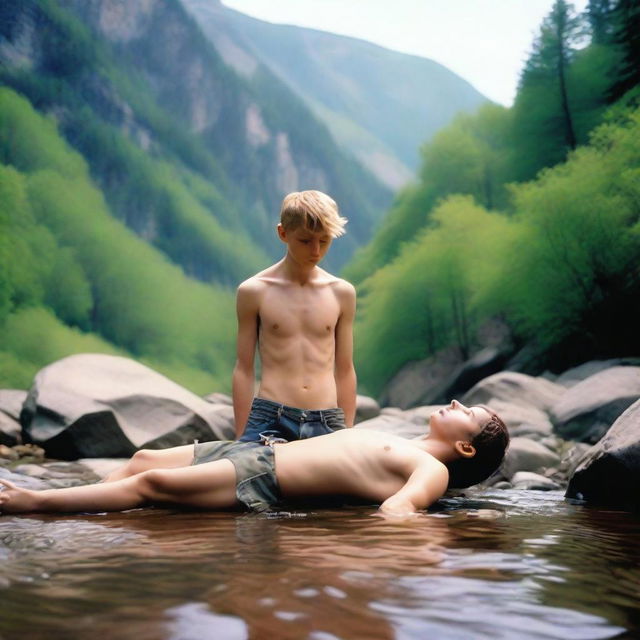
[379, 105]
[145, 68]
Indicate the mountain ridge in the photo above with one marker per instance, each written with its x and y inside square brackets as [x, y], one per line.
[379, 104]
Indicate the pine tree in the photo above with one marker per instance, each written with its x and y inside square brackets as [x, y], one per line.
[599, 14]
[626, 37]
[543, 110]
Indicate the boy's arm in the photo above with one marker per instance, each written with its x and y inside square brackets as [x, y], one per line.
[244, 372]
[425, 485]
[345, 373]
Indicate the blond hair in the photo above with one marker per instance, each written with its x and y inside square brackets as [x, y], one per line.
[314, 211]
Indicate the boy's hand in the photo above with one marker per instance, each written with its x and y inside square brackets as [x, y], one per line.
[397, 507]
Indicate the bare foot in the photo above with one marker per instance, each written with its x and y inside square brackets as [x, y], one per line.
[15, 499]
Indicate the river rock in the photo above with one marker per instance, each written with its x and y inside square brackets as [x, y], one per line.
[102, 467]
[525, 454]
[366, 408]
[415, 379]
[530, 480]
[23, 480]
[587, 410]
[522, 420]
[94, 405]
[577, 374]
[398, 425]
[482, 364]
[219, 398]
[420, 415]
[10, 430]
[11, 401]
[609, 471]
[515, 388]
[572, 458]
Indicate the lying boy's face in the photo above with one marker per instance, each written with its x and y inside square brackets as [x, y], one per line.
[457, 422]
[305, 246]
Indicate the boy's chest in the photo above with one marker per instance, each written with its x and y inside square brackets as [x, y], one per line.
[287, 312]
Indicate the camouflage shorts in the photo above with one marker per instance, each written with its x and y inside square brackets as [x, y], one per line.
[256, 483]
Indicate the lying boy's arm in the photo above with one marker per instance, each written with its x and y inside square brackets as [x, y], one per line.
[345, 373]
[425, 485]
[243, 372]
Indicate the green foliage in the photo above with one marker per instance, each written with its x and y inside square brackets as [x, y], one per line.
[30, 142]
[61, 249]
[470, 156]
[562, 268]
[428, 297]
[543, 114]
[575, 264]
[33, 338]
[171, 207]
[625, 39]
[141, 301]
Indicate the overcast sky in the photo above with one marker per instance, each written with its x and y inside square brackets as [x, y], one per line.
[484, 41]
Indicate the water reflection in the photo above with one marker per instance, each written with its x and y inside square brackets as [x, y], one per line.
[502, 564]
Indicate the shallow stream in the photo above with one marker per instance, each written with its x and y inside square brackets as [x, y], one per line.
[498, 564]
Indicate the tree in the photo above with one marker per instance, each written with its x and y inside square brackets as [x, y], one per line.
[544, 128]
[470, 156]
[428, 297]
[599, 14]
[626, 38]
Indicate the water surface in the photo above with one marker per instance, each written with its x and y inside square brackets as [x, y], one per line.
[500, 564]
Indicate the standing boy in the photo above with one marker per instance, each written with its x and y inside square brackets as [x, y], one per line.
[300, 318]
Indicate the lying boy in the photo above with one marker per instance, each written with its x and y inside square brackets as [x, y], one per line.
[464, 446]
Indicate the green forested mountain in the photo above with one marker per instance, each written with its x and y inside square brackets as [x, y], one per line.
[145, 97]
[380, 105]
[143, 178]
[140, 176]
[529, 214]
[74, 278]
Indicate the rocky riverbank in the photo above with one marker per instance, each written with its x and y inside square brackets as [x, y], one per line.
[579, 431]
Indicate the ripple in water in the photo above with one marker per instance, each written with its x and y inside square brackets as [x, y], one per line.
[503, 564]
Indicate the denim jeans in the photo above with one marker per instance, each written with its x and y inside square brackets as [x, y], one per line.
[274, 421]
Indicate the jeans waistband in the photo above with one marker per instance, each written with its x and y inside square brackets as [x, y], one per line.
[294, 412]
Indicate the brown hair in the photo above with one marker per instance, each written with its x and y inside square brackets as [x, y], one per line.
[312, 210]
[490, 445]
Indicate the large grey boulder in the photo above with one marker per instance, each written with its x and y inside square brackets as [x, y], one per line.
[482, 364]
[416, 379]
[11, 401]
[366, 408]
[572, 376]
[395, 424]
[420, 415]
[609, 473]
[219, 398]
[95, 405]
[523, 420]
[587, 410]
[529, 480]
[515, 388]
[525, 454]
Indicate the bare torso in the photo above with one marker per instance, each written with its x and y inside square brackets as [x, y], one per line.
[296, 339]
[356, 462]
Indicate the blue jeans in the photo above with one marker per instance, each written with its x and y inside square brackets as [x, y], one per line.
[270, 420]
